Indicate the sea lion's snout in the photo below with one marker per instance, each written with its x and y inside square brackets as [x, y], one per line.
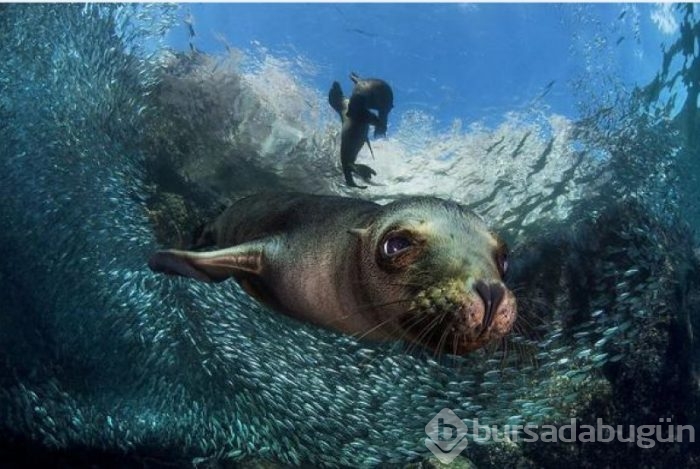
[463, 318]
[499, 313]
[491, 294]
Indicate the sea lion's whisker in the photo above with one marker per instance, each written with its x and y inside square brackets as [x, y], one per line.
[396, 284]
[462, 336]
[368, 306]
[381, 305]
[451, 348]
[524, 328]
[392, 344]
[455, 340]
[504, 344]
[381, 324]
[523, 324]
[518, 329]
[443, 337]
[341, 318]
[437, 353]
[371, 329]
[527, 329]
[526, 353]
[535, 301]
[408, 326]
[532, 315]
[403, 329]
[532, 310]
[526, 318]
[418, 340]
[451, 351]
[408, 344]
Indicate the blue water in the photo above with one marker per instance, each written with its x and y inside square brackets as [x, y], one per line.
[571, 129]
[455, 61]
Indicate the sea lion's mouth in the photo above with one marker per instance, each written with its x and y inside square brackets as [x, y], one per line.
[450, 319]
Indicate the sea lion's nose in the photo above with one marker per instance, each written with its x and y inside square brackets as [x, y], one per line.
[491, 294]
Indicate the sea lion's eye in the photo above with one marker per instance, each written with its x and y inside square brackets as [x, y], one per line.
[395, 244]
[502, 261]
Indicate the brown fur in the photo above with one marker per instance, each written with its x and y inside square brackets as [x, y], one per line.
[320, 259]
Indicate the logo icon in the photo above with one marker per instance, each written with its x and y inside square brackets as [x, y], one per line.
[447, 436]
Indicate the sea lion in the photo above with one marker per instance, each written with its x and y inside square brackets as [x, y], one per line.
[352, 135]
[421, 269]
[372, 93]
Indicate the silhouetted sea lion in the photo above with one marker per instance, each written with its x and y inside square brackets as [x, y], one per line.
[372, 93]
[352, 136]
[422, 269]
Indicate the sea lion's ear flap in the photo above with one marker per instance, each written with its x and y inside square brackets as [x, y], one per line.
[359, 232]
[212, 266]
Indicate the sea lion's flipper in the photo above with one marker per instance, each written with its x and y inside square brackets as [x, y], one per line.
[211, 266]
[370, 147]
[335, 98]
[373, 119]
[380, 126]
[364, 171]
[347, 170]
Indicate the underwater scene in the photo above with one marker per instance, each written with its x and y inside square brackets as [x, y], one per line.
[349, 235]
